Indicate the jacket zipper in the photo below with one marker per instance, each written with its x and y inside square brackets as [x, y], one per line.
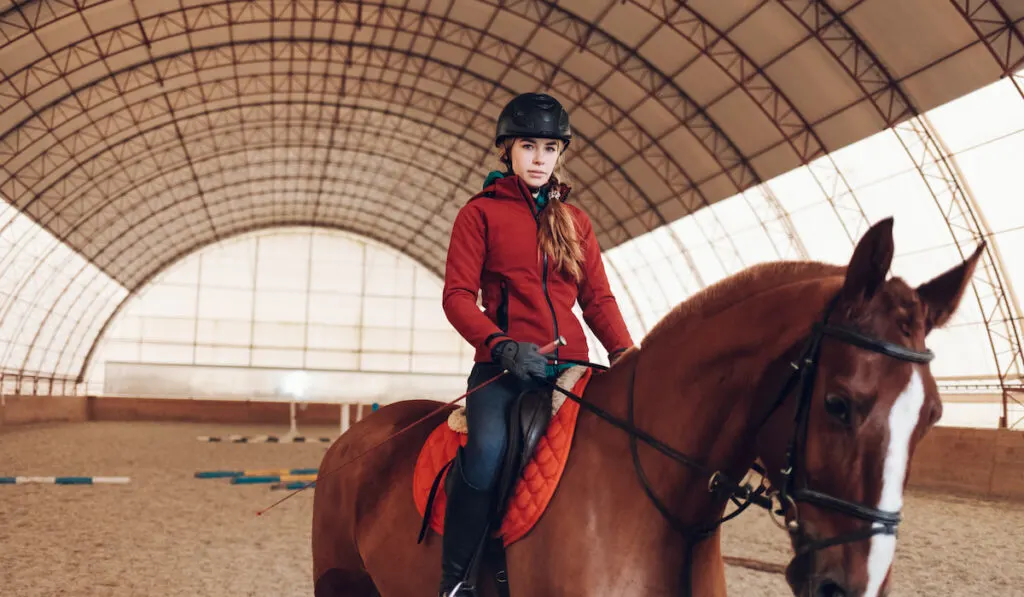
[544, 284]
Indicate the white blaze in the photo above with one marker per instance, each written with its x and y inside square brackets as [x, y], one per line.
[903, 420]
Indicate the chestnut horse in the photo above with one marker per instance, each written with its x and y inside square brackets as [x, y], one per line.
[818, 371]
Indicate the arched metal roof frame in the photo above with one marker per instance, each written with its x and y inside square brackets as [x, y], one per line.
[412, 93]
[392, 9]
[148, 186]
[823, 23]
[1002, 36]
[264, 115]
[144, 155]
[114, 146]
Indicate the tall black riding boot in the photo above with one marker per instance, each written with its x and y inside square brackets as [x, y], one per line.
[465, 525]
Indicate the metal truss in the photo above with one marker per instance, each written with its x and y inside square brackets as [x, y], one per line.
[1003, 38]
[152, 70]
[967, 228]
[1005, 43]
[897, 110]
[793, 128]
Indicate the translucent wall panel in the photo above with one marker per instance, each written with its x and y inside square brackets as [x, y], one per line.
[284, 300]
[984, 133]
[49, 298]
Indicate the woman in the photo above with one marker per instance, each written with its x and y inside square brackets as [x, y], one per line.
[533, 256]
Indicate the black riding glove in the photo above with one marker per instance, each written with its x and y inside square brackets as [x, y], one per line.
[522, 359]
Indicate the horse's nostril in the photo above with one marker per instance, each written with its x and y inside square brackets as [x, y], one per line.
[829, 588]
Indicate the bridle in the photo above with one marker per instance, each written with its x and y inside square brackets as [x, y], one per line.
[794, 488]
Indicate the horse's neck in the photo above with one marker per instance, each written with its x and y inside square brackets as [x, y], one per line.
[702, 393]
[694, 388]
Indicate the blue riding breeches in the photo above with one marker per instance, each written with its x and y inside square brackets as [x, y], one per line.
[487, 412]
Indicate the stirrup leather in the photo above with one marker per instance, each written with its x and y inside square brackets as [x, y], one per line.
[460, 590]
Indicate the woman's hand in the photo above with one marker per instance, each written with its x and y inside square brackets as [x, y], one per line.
[522, 359]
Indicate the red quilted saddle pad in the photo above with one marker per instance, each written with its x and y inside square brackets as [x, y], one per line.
[534, 490]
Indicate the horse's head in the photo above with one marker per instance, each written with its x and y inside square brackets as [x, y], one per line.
[862, 398]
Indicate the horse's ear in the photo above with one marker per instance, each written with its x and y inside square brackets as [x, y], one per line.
[941, 295]
[870, 263]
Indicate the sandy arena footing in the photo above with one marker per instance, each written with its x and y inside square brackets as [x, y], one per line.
[169, 534]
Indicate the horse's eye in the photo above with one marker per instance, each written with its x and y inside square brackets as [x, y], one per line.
[839, 408]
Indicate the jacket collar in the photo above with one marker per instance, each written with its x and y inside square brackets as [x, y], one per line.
[513, 188]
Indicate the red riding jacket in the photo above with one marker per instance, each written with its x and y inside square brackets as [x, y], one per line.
[494, 248]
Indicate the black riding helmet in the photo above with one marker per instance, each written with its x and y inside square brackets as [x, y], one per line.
[533, 115]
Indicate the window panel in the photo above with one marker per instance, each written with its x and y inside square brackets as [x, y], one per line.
[341, 277]
[165, 329]
[289, 272]
[223, 332]
[388, 312]
[335, 309]
[437, 342]
[283, 335]
[276, 305]
[157, 352]
[221, 355]
[225, 303]
[237, 324]
[345, 361]
[271, 357]
[428, 315]
[386, 340]
[334, 337]
[371, 361]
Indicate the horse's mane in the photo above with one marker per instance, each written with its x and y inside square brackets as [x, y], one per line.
[741, 286]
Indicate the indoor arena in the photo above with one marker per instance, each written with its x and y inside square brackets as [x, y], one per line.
[350, 298]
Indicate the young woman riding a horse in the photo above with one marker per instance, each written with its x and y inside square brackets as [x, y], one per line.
[819, 371]
[533, 256]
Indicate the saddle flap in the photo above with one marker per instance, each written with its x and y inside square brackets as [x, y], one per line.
[533, 409]
[528, 421]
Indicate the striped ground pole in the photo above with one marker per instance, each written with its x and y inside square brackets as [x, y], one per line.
[272, 479]
[264, 439]
[293, 485]
[254, 473]
[65, 480]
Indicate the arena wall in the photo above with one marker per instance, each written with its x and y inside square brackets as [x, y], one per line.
[982, 462]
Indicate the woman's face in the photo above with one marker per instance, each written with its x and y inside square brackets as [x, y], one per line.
[534, 160]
